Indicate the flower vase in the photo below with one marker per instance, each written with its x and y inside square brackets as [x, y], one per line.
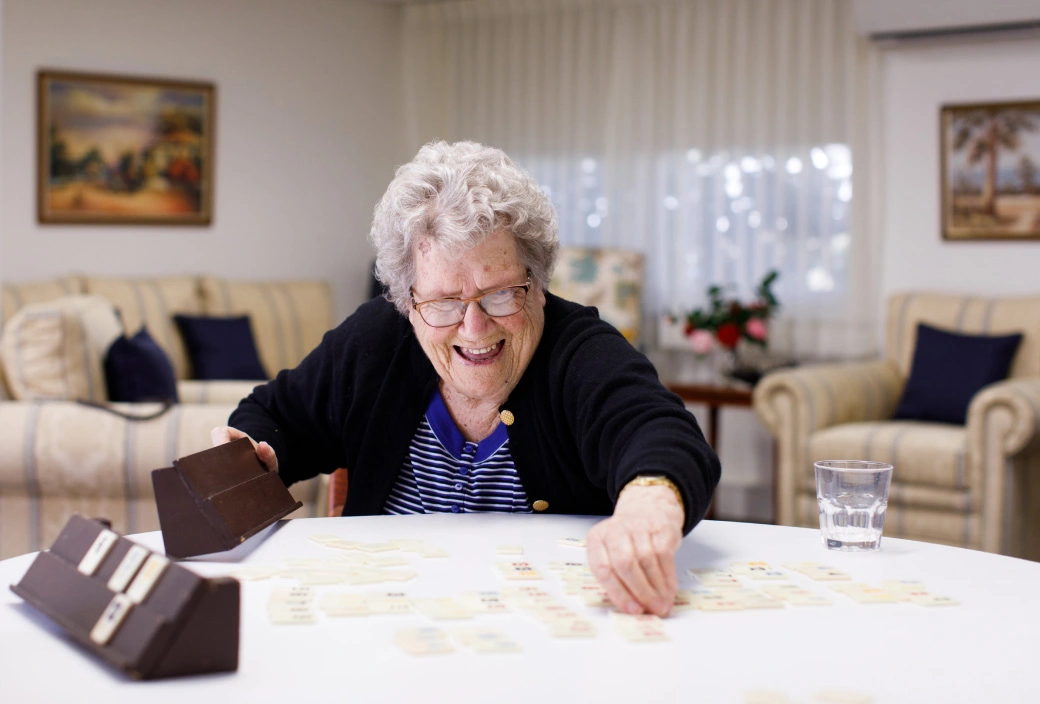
[729, 362]
[735, 368]
[705, 369]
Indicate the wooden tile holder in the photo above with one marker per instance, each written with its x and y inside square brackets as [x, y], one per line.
[183, 625]
[216, 499]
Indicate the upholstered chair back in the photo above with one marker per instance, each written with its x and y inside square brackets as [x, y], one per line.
[609, 279]
[968, 315]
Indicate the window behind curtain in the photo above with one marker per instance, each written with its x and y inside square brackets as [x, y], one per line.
[717, 218]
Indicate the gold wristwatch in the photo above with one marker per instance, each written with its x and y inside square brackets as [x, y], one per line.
[657, 480]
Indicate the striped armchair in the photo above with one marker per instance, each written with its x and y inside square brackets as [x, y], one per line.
[975, 486]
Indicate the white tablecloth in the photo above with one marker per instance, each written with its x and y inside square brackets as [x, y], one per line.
[982, 651]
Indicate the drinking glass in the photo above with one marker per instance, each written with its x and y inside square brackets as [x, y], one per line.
[853, 498]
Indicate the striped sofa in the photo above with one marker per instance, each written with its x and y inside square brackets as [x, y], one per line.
[975, 486]
[58, 457]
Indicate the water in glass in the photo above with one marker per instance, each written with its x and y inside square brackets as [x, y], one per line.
[853, 498]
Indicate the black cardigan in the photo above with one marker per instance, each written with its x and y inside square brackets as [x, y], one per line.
[590, 414]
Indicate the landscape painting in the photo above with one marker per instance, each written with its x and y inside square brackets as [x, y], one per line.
[990, 171]
[122, 150]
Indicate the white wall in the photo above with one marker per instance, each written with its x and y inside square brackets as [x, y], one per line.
[917, 80]
[309, 128]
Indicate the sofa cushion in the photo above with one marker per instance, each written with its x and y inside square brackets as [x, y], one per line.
[288, 318]
[914, 521]
[196, 391]
[15, 296]
[153, 303]
[949, 369]
[221, 348]
[136, 369]
[927, 454]
[55, 350]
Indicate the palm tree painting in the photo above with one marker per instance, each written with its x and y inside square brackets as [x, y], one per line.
[121, 150]
[991, 171]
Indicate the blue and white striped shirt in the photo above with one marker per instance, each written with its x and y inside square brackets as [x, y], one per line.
[445, 473]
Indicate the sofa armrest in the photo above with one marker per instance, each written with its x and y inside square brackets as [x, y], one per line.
[1003, 420]
[820, 396]
[1007, 412]
[794, 403]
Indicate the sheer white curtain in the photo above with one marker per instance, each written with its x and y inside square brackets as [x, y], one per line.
[721, 138]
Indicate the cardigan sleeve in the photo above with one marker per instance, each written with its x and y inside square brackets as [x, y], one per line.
[305, 413]
[295, 414]
[625, 421]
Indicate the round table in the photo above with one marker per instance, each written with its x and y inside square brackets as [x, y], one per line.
[981, 651]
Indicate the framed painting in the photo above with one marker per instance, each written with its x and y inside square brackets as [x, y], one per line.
[990, 171]
[124, 150]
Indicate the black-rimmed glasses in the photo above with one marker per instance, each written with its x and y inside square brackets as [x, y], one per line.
[445, 312]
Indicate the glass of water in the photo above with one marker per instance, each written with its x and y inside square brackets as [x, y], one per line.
[853, 498]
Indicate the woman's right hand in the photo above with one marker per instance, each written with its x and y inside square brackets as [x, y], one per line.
[223, 434]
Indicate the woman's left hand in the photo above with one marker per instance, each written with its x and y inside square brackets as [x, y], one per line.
[632, 553]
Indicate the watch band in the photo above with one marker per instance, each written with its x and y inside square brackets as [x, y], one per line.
[657, 480]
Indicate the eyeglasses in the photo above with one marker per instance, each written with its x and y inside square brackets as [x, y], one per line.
[445, 312]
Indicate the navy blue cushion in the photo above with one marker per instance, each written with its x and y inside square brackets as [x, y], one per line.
[949, 369]
[137, 369]
[221, 348]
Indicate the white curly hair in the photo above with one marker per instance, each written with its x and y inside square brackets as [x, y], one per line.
[458, 195]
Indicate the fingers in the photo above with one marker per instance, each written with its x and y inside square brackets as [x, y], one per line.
[220, 435]
[601, 567]
[666, 548]
[658, 594]
[636, 568]
[266, 454]
[634, 562]
[224, 434]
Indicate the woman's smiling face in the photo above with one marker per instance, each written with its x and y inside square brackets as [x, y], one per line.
[481, 358]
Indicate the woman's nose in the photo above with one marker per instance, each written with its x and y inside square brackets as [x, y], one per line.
[475, 320]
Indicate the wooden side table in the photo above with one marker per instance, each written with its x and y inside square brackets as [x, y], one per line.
[715, 396]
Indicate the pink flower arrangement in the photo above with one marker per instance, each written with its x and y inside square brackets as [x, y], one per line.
[757, 329]
[702, 341]
[728, 321]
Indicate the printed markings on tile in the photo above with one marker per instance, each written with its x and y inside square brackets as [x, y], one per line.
[423, 641]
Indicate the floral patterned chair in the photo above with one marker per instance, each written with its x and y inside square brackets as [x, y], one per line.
[609, 279]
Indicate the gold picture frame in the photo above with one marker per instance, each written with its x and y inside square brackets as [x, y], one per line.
[990, 174]
[124, 150]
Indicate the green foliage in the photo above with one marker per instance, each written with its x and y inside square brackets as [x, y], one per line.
[722, 311]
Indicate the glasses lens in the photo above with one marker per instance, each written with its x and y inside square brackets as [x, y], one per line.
[505, 301]
[442, 313]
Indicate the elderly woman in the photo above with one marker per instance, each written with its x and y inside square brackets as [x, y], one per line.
[472, 388]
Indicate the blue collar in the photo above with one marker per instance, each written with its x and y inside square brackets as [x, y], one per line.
[451, 438]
